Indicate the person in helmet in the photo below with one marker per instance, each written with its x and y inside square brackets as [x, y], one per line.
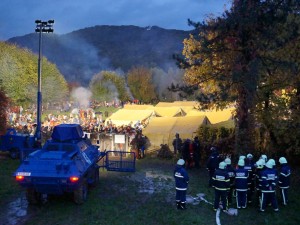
[284, 179]
[181, 183]
[231, 174]
[177, 144]
[212, 164]
[221, 183]
[258, 180]
[241, 185]
[250, 167]
[268, 187]
[272, 161]
[197, 151]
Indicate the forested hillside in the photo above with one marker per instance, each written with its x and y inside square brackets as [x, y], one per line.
[82, 53]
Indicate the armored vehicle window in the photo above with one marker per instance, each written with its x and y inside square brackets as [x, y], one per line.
[52, 147]
[68, 148]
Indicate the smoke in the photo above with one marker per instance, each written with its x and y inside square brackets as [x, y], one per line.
[164, 79]
[82, 96]
[112, 90]
[78, 60]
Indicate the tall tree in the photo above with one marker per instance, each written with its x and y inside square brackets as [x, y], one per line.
[108, 85]
[18, 72]
[3, 109]
[226, 59]
[140, 82]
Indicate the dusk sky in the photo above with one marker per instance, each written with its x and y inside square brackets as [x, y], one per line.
[17, 16]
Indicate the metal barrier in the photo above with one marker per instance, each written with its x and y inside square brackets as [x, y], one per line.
[120, 161]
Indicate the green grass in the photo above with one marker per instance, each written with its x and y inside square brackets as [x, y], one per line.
[118, 199]
[8, 185]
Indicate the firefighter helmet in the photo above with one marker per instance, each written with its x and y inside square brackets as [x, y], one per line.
[222, 165]
[272, 161]
[241, 162]
[180, 162]
[227, 161]
[269, 164]
[282, 160]
[264, 157]
[249, 156]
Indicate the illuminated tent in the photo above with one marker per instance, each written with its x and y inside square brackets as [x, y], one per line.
[185, 106]
[169, 111]
[192, 104]
[162, 130]
[138, 107]
[130, 117]
[214, 116]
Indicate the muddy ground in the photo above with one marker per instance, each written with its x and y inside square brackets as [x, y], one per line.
[151, 177]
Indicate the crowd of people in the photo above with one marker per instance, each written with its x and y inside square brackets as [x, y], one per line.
[94, 123]
[249, 181]
[189, 150]
[24, 121]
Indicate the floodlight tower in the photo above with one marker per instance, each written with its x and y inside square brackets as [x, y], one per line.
[41, 27]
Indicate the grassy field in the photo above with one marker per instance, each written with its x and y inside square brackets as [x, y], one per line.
[144, 197]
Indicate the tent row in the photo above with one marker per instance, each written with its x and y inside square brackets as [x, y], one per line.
[166, 119]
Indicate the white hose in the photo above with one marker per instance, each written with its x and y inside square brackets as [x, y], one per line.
[218, 217]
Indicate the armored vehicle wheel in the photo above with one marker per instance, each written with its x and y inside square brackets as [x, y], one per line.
[32, 196]
[14, 153]
[80, 195]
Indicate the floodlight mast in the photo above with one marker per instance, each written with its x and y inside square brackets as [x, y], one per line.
[41, 27]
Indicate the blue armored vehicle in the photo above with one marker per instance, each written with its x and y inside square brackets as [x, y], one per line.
[67, 163]
[16, 144]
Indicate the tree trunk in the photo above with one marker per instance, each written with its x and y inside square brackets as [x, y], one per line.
[244, 142]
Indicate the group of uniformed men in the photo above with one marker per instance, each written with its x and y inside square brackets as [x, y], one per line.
[248, 178]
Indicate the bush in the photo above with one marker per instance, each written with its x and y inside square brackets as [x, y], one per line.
[164, 152]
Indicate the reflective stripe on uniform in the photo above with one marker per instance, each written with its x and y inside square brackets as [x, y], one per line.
[241, 189]
[221, 189]
[179, 176]
[181, 189]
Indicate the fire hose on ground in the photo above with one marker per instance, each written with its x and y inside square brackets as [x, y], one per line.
[200, 197]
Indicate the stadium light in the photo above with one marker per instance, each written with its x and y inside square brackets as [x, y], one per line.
[41, 27]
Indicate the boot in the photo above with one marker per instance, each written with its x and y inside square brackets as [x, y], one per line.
[178, 205]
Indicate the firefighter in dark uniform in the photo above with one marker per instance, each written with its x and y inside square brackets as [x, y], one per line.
[231, 174]
[268, 187]
[258, 181]
[221, 183]
[241, 185]
[284, 179]
[177, 143]
[186, 151]
[212, 163]
[181, 182]
[249, 165]
[197, 151]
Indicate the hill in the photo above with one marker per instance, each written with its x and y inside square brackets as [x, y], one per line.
[82, 53]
